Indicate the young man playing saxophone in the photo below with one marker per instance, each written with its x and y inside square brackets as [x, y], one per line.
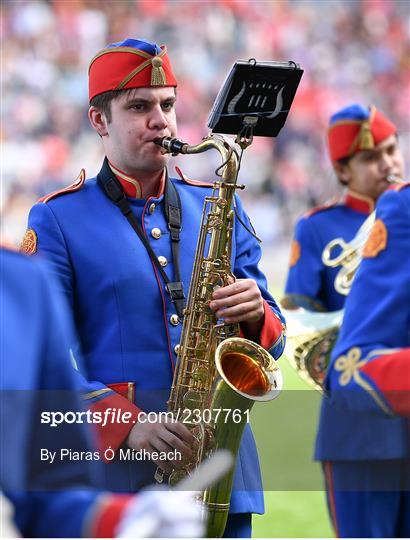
[128, 325]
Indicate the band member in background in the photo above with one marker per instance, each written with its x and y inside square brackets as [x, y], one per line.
[128, 324]
[57, 497]
[369, 376]
[364, 150]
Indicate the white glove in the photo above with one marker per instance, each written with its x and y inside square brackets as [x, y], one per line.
[7, 528]
[161, 513]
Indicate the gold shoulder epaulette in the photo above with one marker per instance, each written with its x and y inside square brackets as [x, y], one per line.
[326, 206]
[197, 183]
[75, 186]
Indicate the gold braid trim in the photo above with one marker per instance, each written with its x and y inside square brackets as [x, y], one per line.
[158, 77]
[131, 50]
[349, 365]
[95, 393]
[157, 73]
[133, 73]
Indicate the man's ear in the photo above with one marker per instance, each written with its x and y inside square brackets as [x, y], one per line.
[343, 172]
[98, 120]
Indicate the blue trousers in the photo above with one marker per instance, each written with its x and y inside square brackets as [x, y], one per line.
[369, 499]
[238, 526]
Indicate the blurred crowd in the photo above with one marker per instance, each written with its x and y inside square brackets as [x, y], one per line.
[350, 51]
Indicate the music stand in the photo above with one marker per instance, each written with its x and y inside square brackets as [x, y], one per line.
[255, 99]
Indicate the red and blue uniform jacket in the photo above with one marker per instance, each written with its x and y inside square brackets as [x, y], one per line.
[368, 382]
[310, 284]
[125, 320]
[56, 499]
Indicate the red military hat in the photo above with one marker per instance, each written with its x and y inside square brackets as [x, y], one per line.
[356, 128]
[131, 63]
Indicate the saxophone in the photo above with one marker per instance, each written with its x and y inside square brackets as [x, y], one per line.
[216, 370]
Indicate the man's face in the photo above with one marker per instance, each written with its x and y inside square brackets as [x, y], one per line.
[137, 118]
[367, 171]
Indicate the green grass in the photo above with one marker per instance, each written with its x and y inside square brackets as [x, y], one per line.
[293, 514]
[285, 431]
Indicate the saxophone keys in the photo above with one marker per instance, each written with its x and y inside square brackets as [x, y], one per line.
[209, 439]
[200, 374]
[159, 476]
[177, 475]
[192, 400]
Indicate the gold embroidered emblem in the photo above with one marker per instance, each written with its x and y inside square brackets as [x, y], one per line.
[348, 365]
[29, 243]
[294, 253]
[377, 240]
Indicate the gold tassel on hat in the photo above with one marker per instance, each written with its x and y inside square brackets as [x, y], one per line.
[363, 140]
[366, 141]
[157, 74]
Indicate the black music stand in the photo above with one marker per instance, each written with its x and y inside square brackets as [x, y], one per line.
[255, 99]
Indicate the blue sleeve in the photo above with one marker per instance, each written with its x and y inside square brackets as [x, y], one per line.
[53, 514]
[50, 500]
[51, 246]
[247, 257]
[306, 268]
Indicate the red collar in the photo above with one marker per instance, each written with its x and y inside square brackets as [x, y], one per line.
[132, 186]
[358, 202]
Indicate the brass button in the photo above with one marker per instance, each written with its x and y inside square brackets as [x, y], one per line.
[174, 319]
[177, 348]
[162, 260]
[156, 233]
[151, 208]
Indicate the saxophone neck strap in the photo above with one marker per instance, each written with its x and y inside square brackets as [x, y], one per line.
[173, 212]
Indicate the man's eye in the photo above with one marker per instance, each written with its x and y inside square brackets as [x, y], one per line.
[168, 106]
[138, 107]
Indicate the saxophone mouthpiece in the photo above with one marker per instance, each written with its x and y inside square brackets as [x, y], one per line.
[172, 145]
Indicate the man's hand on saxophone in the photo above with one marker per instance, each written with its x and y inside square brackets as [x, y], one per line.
[240, 302]
[174, 438]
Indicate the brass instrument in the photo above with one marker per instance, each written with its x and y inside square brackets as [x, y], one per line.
[349, 257]
[350, 253]
[310, 338]
[312, 335]
[216, 370]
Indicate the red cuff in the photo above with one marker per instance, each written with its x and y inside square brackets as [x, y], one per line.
[117, 428]
[272, 328]
[391, 375]
[107, 516]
